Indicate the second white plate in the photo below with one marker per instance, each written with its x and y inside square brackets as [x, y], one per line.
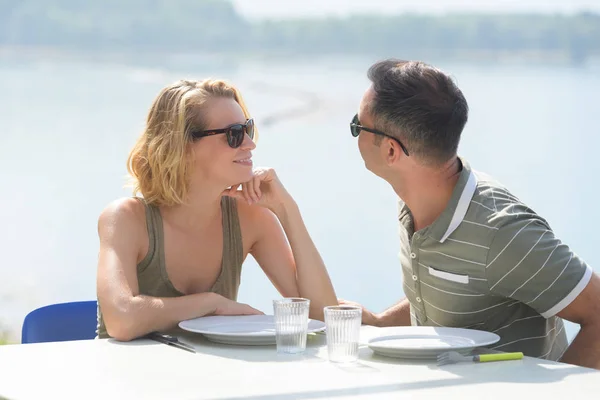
[424, 342]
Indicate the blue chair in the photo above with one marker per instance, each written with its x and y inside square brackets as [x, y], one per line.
[61, 322]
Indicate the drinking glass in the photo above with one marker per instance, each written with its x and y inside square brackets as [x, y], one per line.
[342, 326]
[291, 324]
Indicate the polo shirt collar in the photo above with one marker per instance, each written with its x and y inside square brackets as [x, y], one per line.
[455, 211]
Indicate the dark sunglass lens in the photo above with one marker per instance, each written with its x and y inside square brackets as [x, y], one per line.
[235, 136]
[250, 128]
[354, 129]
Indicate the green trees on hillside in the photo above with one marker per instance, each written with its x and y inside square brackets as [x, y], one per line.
[214, 25]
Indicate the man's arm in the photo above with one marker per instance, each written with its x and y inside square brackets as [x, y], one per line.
[585, 311]
[396, 315]
[526, 262]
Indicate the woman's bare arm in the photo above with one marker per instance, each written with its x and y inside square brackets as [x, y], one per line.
[295, 268]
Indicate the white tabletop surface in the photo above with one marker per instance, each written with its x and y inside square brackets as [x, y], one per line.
[144, 369]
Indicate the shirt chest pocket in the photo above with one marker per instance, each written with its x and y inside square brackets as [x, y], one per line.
[447, 276]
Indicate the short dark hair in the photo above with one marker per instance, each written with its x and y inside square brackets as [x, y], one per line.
[421, 106]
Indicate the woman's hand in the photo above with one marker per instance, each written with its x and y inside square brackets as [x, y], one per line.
[230, 307]
[264, 189]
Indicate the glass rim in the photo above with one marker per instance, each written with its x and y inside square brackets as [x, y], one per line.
[342, 308]
[291, 300]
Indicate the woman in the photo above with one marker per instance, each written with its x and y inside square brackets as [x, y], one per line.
[176, 253]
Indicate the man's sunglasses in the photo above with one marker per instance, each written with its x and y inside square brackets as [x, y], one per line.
[356, 127]
[235, 133]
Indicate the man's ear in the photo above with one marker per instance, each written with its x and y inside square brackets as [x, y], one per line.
[392, 150]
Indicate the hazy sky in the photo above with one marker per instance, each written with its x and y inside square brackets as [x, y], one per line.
[287, 8]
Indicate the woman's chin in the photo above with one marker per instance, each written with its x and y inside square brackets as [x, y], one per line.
[241, 177]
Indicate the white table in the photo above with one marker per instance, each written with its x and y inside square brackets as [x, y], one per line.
[143, 369]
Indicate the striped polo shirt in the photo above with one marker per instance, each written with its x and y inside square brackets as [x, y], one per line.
[491, 263]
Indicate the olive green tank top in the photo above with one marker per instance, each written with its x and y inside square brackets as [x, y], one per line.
[152, 273]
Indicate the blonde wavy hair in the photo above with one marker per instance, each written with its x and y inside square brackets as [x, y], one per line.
[160, 162]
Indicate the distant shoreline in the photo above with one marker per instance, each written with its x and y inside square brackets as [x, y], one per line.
[136, 55]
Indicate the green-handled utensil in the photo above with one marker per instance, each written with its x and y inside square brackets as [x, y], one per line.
[452, 357]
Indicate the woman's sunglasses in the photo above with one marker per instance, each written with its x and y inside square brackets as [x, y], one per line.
[356, 127]
[235, 133]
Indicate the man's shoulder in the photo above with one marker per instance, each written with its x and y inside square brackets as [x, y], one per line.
[490, 187]
[494, 205]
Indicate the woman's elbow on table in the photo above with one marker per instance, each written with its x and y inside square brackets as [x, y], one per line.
[120, 332]
[121, 323]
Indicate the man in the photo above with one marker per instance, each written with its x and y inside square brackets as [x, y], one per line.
[472, 254]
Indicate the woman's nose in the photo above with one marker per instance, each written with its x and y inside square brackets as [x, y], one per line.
[248, 144]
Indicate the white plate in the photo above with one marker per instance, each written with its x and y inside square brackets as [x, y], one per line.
[242, 329]
[425, 342]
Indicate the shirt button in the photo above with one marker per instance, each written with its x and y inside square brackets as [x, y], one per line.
[415, 278]
[413, 255]
[418, 299]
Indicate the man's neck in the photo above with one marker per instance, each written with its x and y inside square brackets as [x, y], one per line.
[427, 191]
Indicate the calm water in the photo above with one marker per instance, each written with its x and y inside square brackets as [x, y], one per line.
[66, 129]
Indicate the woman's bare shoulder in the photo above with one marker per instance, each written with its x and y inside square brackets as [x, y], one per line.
[126, 213]
[254, 219]
[251, 212]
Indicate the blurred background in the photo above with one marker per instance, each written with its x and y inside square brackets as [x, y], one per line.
[77, 79]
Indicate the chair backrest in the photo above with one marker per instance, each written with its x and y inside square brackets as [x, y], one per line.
[60, 322]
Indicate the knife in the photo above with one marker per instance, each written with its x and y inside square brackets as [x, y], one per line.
[170, 340]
